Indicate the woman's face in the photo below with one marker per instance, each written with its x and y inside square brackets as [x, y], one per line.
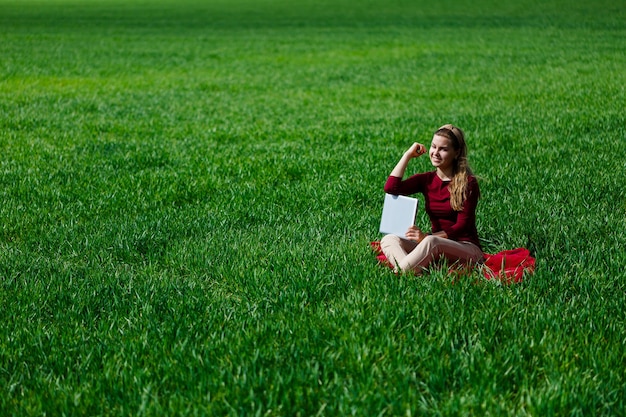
[442, 153]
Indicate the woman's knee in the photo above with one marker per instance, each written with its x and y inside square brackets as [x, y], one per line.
[389, 240]
[430, 242]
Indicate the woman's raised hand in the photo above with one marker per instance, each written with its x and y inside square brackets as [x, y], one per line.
[417, 149]
[414, 151]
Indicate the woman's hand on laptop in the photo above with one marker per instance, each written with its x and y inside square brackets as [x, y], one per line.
[415, 234]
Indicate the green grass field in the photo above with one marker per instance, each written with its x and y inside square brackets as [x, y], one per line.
[189, 190]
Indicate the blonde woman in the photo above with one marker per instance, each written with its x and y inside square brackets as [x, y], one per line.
[451, 195]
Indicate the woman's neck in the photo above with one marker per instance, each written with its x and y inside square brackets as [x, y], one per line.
[445, 175]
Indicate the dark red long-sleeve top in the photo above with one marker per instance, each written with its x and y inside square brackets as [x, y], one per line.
[458, 225]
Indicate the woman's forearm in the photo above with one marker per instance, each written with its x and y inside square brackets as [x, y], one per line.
[400, 168]
[416, 150]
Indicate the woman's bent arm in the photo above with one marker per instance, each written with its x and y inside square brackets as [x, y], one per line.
[417, 149]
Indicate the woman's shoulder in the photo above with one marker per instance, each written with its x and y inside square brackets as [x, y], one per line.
[422, 176]
[426, 175]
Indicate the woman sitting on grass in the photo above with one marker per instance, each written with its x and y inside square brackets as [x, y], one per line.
[451, 194]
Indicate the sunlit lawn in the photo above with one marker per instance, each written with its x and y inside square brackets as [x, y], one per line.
[189, 190]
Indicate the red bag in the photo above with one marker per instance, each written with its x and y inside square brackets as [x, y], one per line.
[509, 265]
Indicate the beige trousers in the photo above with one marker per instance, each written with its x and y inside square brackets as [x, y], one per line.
[407, 255]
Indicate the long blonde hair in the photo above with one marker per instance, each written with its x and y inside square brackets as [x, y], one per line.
[460, 168]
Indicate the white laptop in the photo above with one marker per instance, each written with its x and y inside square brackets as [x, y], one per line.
[398, 214]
